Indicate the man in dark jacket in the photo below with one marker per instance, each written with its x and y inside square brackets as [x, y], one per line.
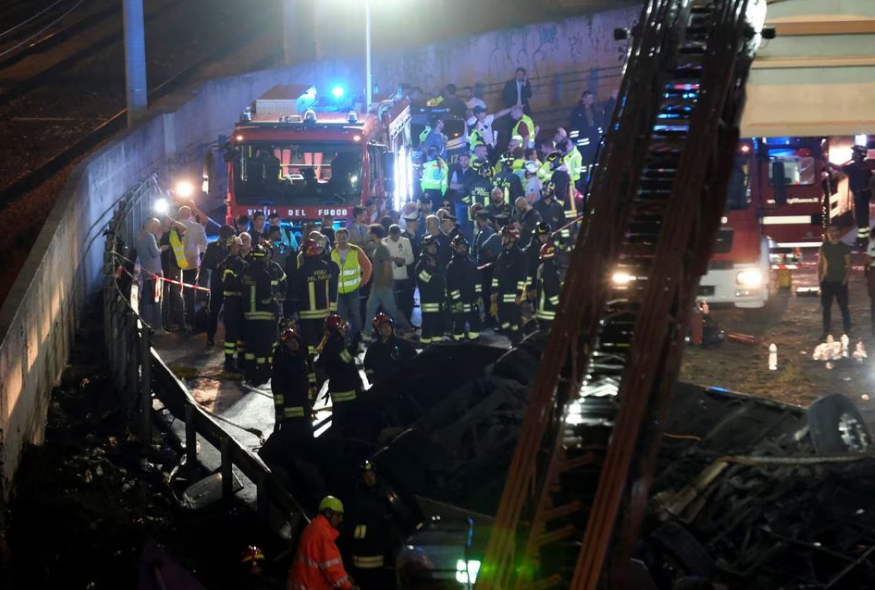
[548, 287]
[293, 383]
[311, 294]
[215, 253]
[430, 280]
[387, 352]
[344, 381]
[517, 91]
[509, 284]
[464, 291]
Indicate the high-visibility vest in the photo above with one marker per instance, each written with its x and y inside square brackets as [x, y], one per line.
[350, 270]
[178, 250]
[435, 176]
[529, 123]
[574, 161]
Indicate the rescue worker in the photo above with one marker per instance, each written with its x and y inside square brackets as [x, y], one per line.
[293, 384]
[430, 280]
[497, 205]
[523, 126]
[253, 575]
[585, 129]
[509, 284]
[373, 533]
[551, 211]
[859, 173]
[215, 253]
[562, 189]
[278, 281]
[480, 186]
[231, 270]
[526, 219]
[311, 294]
[387, 352]
[355, 271]
[344, 381]
[318, 564]
[573, 161]
[435, 175]
[509, 182]
[464, 291]
[259, 313]
[540, 236]
[548, 288]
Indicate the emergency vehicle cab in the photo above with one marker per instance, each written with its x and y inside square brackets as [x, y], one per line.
[302, 157]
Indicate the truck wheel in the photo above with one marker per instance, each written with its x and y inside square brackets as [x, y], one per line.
[836, 426]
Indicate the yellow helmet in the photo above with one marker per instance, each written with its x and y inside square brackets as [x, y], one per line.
[331, 503]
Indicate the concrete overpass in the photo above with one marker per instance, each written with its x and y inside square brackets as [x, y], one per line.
[817, 77]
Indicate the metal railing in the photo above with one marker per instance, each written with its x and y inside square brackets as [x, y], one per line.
[139, 373]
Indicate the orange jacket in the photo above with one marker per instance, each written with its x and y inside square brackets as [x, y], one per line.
[317, 564]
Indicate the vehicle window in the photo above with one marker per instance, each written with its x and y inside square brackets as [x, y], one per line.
[738, 191]
[798, 170]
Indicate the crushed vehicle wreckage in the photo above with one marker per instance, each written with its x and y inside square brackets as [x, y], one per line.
[748, 492]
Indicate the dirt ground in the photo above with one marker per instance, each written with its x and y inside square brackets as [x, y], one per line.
[793, 323]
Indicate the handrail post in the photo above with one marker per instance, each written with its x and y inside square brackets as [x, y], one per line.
[190, 438]
[227, 469]
[146, 386]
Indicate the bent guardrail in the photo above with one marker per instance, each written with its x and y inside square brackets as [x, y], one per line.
[139, 373]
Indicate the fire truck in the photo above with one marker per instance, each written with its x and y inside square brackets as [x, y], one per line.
[779, 200]
[303, 156]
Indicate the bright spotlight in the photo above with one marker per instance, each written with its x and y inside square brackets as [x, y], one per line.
[184, 189]
[337, 91]
[162, 206]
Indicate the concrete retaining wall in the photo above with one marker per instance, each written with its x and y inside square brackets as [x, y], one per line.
[39, 317]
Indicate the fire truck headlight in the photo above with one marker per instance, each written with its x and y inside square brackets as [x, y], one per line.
[749, 278]
[622, 278]
[466, 571]
[161, 206]
[184, 189]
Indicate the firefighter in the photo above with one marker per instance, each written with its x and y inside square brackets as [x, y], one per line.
[435, 176]
[215, 253]
[561, 181]
[311, 293]
[509, 284]
[510, 184]
[293, 384]
[259, 313]
[430, 280]
[373, 532]
[231, 270]
[548, 288]
[318, 564]
[573, 162]
[253, 574]
[338, 362]
[478, 189]
[387, 352]
[464, 291]
[497, 205]
[551, 211]
[540, 236]
[859, 173]
[278, 281]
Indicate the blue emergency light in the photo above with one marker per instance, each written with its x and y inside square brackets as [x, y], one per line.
[337, 91]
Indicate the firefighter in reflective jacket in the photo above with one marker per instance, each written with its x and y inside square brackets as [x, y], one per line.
[387, 352]
[311, 293]
[373, 532]
[548, 288]
[317, 564]
[430, 280]
[278, 282]
[464, 291]
[231, 270]
[293, 384]
[435, 176]
[259, 314]
[480, 186]
[509, 284]
[540, 236]
[344, 381]
[509, 183]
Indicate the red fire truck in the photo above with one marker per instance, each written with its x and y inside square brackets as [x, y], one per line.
[778, 202]
[303, 156]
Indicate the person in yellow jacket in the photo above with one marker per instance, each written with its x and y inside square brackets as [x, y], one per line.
[435, 176]
[573, 160]
[355, 271]
[523, 127]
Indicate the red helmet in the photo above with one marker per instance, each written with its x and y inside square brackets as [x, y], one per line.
[252, 554]
[290, 333]
[548, 251]
[510, 231]
[380, 319]
[334, 323]
[310, 248]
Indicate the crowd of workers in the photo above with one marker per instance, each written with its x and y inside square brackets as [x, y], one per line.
[481, 245]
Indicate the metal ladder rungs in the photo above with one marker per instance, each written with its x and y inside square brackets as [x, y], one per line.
[558, 535]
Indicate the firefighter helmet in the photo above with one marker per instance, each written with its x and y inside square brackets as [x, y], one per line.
[252, 554]
[474, 209]
[289, 333]
[330, 502]
[548, 251]
[380, 319]
[367, 465]
[542, 228]
[507, 159]
[481, 166]
[226, 232]
[310, 248]
[860, 150]
[459, 240]
[429, 240]
[334, 323]
[258, 252]
[510, 231]
[555, 160]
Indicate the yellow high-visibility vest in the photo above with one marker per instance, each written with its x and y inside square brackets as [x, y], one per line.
[178, 249]
[350, 270]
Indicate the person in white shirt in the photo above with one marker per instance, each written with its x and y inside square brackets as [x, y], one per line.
[481, 125]
[472, 100]
[532, 183]
[401, 251]
[194, 243]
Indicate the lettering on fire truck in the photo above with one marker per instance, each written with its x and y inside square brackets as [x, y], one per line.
[303, 212]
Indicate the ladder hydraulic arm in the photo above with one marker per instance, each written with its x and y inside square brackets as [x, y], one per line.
[578, 483]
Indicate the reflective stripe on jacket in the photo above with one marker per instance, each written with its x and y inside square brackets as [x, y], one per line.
[317, 564]
[350, 270]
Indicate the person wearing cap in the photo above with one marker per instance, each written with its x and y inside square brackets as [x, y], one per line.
[259, 313]
[318, 564]
[509, 279]
[293, 384]
[231, 271]
[387, 352]
[450, 225]
[464, 290]
[532, 182]
[403, 259]
[311, 294]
